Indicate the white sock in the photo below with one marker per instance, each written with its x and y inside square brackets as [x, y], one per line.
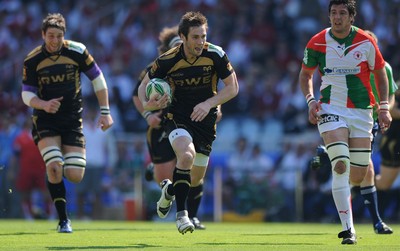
[342, 197]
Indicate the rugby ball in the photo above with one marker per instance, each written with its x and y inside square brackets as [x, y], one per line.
[158, 87]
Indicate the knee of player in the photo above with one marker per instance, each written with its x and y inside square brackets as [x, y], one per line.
[74, 177]
[339, 155]
[340, 167]
[74, 166]
[186, 158]
[54, 171]
[54, 166]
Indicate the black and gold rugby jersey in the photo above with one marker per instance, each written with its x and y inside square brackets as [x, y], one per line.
[141, 77]
[59, 75]
[192, 82]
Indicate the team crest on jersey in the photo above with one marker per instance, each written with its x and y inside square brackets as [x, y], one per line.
[357, 55]
[325, 118]
[207, 68]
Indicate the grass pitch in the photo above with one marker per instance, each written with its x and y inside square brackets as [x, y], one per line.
[123, 235]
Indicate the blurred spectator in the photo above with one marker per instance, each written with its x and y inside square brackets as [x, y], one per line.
[259, 166]
[131, 157]
[237, 161]
[100, 157]
[289, 175]
[9, 201]
[249, 173]
[30, 172]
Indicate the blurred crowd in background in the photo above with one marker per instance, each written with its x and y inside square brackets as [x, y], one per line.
[264, 142]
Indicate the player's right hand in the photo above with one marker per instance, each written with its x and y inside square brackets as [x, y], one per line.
[53, 105]
[313, 115]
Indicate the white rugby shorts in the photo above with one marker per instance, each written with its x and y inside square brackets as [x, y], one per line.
[358, 121]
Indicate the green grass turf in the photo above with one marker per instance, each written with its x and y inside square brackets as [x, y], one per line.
[122, 235]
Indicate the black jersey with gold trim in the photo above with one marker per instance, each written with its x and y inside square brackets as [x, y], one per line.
[192, 82]
[139, 81]
[59, 75]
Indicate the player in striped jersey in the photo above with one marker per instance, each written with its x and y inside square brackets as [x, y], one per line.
[193, 71]
[52, 87]
[345, 56]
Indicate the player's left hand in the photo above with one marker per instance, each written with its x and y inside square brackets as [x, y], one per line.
[156, 103]
[105, 122]
[385, 119]
[200, 111]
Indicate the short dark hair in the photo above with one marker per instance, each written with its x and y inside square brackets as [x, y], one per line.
[191, 19]
[54, 20]
[350, 5]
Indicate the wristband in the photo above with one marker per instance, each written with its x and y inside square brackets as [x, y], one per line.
[104, 110]
[384, 106]
[310, 98]
[146, 114]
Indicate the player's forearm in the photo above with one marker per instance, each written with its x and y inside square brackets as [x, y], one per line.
[37, 103]
[306, 84]
[30, 98]
[142, 89]
[383, 85]
[138, 104]
[227, 93]
[102, 98]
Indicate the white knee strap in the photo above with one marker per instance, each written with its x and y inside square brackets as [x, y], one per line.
[51, 154]
[179, 132]
[339, 151]
[360, 157]
[75, 160]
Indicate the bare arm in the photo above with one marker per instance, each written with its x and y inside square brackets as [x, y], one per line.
[142, 90]
[231, 89]
[105, 119]
[154, 103]
[50, 106]
[382, 84]
[153, 119]
[306, 85]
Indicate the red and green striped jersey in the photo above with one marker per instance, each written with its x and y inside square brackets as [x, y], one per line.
[345, 66]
